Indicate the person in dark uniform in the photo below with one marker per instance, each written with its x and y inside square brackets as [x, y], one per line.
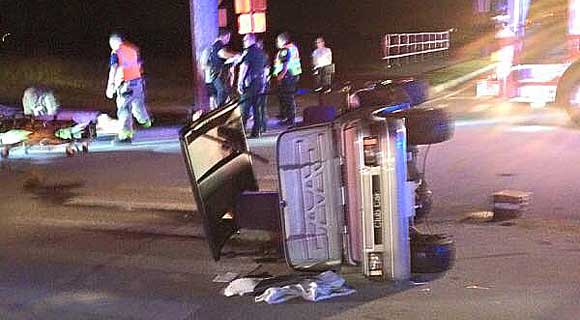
[251, 82]
[219, 55]
[287, 70]
[263, 99]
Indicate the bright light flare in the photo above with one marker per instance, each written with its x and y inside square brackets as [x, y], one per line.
[574, 17]
[531, 129]
[502, 109]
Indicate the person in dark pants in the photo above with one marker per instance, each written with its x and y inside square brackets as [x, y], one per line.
[216, 77]
[263, 99]
[322, 66]
[287, 70]
[251, 82]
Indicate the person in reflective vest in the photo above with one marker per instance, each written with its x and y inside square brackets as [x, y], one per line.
[287, 70]
[126, 83]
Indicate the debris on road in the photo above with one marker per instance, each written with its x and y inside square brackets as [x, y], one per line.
[479, 216]
[506, 205]
[509, 204]
[242, 286]
[325, 286]
[274, 290]
[477, 287]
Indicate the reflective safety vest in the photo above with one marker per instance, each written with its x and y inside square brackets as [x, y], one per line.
[129, 62]
[294, 67]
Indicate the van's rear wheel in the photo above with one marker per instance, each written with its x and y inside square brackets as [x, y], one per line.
[428, 126]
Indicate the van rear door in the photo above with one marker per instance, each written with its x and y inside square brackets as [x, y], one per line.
[311, 197]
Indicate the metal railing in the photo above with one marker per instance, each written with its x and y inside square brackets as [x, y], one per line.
[406, 45]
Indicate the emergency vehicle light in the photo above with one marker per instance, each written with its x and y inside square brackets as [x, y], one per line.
[252, 23]
[248, 6]
[222, 18]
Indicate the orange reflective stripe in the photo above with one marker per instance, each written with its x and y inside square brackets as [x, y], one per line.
[129, 61]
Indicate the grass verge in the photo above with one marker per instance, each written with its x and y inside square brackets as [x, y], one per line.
[454, 71]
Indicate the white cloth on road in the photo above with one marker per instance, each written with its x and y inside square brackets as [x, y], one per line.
[14, 136]
[108, 125]
[241, 286]
[325, 286]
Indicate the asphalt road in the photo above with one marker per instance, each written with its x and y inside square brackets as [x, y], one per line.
[75, 244]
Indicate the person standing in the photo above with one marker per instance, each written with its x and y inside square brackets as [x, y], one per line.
[217, 75]
[251, 82]
[287, 70]
[126, 82]
[263, 99]
[322, 66]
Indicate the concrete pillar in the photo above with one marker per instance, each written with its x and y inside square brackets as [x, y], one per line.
[204, 30]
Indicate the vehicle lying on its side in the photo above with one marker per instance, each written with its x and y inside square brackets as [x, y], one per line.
[345, 193]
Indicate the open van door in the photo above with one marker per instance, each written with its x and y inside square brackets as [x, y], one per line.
[220, 169]
[311, 197]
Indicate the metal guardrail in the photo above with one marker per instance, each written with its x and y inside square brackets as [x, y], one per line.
[405, 45]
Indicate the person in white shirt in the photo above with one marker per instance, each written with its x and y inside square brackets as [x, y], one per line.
[322, 65]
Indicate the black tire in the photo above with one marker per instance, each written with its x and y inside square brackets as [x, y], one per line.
[568, 87]
[428, 126]
[432, 254]
[383, 95]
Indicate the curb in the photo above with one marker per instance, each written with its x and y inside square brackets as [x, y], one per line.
[186, 230]
[87, 201]
[190, 230]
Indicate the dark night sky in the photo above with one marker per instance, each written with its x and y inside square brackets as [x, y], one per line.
[162, 26]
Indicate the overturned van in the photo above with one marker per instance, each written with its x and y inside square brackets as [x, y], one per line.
[345, 196]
